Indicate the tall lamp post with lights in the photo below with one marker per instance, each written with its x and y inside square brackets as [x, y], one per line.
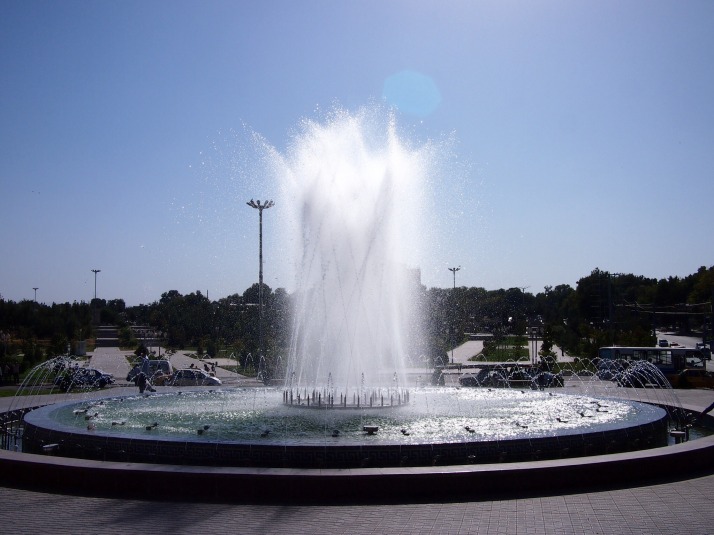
[260, 207]
[95, 271]
[95, 316]
[453, 270]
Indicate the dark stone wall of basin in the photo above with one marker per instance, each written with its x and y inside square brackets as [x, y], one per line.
[39, 439]
[48, 473]
[222, 484]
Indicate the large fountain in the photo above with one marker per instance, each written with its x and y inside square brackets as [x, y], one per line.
[353, 196]
[355, 226]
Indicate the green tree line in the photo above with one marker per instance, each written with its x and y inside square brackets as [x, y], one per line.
[37, 331]
[603, 309]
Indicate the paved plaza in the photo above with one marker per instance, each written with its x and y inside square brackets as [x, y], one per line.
[674, 507]
[683, 507]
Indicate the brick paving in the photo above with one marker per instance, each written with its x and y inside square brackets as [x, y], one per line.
[673, 508]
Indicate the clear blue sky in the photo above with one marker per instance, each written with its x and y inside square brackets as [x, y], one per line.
[585, 130]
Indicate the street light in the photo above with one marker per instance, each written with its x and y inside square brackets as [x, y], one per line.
[260, 207]
[95, 271]
[453, 270]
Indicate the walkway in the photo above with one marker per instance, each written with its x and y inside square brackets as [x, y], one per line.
[676, 508]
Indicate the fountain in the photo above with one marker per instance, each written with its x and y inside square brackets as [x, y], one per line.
[251, 427]
[354, 203]
[354, 214]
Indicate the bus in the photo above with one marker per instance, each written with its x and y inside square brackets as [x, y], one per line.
[669, 360]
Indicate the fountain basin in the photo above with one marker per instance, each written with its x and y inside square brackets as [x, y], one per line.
[251, 427]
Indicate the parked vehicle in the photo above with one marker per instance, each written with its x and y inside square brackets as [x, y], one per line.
[487, 377]
[705, 348]
[482, 378]
[511, 376]
[696, 378]
[86, 378]
[642, 375]
[161, 379]
[669, 360]
[191, 377]
[157, 368]
[608, 370]
[549, 380]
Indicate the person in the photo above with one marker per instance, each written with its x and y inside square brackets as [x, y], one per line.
[145, 367]
[146, 370]
[134, 373]
[141, 382]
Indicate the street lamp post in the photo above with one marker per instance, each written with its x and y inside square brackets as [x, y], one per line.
[95, 271]
[260, 207]
[534, 343]
[453, 270]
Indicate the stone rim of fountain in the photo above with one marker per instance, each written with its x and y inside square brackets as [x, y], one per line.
[50, 473]
[647, 431]
[360, 485]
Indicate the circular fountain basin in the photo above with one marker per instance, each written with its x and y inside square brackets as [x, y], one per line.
[252, 427]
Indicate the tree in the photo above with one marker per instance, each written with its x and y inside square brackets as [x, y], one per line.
[126, 337]
[546, 346]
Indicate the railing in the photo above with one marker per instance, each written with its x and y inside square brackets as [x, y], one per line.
[11, 428]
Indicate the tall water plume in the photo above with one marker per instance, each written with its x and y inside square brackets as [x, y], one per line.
[355, 194]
